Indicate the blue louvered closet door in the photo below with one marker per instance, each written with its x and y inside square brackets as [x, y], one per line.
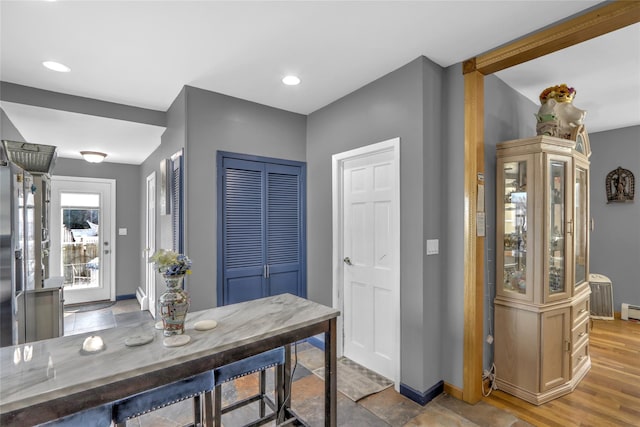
[261, 225]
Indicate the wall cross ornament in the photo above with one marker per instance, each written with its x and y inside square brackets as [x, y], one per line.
[620, 185]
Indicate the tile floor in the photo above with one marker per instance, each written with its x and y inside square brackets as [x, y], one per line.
[386, 408]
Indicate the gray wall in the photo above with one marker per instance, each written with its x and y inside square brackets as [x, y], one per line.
[615, 240]
[219, 122]
[204, 122]
[128, 248]
[8, 130]
[452, 242]
[405, 104]
[508, 115]
[432, 194]
[173, 139]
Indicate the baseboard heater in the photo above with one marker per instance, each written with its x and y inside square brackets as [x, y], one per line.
[630, 312]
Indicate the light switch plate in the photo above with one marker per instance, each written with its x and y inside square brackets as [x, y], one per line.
[432, 246]
[122, 231]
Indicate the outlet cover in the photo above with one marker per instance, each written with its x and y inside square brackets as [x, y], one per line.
[432, 246]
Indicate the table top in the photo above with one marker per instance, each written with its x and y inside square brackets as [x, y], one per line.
[43, 371]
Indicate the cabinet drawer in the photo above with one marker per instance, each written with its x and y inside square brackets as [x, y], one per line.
[579, 357]
[580, 334]
[580, 312]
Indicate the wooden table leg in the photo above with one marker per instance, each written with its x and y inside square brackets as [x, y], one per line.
[330, 376]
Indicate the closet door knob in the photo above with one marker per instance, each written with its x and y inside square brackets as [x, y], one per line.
[347, 260]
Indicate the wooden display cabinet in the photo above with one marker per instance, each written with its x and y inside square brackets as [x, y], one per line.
[542, 292]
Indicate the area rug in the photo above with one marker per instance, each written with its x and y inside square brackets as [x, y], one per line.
[81, 308]
[356, 381]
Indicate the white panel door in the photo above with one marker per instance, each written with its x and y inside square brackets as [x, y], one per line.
[370, 282]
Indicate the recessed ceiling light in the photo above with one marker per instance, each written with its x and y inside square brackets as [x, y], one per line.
[291, 80]
[56, 66]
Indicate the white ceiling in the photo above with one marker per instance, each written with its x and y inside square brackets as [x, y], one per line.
[141, 53]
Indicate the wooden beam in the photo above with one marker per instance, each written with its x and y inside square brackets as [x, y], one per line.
[610, 17]
[473, 245]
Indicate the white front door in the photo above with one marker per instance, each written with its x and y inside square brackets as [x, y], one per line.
[150, 245]
[82, 237]
[369, 256]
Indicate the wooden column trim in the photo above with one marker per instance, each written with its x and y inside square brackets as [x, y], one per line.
[594, 23]
[473, 245]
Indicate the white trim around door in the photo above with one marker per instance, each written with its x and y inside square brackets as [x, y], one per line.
[390, 149]
[105, 189]
[147, 296]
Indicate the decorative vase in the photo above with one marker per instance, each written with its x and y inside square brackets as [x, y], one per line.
[174, 304]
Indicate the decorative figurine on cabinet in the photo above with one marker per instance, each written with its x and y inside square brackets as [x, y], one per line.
[557, 115]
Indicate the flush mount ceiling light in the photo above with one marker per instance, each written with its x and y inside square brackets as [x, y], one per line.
[93, 156]
[291, 80]
[56, 66]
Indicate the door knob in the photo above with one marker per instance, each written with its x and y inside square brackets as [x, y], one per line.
[347, 260]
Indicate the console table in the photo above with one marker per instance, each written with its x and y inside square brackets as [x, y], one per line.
[48, 379]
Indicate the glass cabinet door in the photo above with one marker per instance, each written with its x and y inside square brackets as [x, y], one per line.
[580, 227]
[515, 227]
[556, 250]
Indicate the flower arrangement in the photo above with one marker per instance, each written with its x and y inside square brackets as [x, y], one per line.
[170, 263]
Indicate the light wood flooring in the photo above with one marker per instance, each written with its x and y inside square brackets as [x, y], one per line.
[608, 396]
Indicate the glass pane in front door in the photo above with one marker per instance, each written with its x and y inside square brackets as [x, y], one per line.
[556, 249]
[580, 217]
[80, 240]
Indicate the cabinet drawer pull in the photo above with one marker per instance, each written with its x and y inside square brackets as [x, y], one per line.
[583, 310]
[581, 334]
[581, 358]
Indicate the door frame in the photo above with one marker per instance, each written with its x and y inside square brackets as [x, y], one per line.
[147, 299]
[112, 218]
[337, 173]
[267, 162]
